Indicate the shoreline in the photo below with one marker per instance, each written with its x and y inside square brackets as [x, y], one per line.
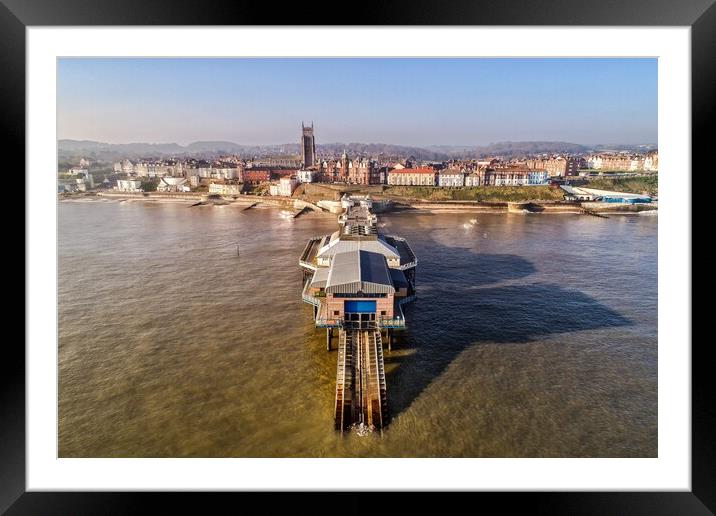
[394, 206]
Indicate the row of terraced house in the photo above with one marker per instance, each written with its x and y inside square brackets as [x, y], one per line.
[455, 178]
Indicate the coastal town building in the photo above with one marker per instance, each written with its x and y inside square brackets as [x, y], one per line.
[129, 185]
[219, 173]
[485, 163]
[451, 178]
[172, 184]
[538, 177]
[624, 162]
[275, 162]
[77, 184]
[256, 176]
[277, 173]
[358, 171]
[124, 167]
[284, 187]
[305, 176]
[507, 176]
[149, 168]
[225, 188]
[558, 166]
[651, 162]
[474, 179]
[423, 176]
[157, 170]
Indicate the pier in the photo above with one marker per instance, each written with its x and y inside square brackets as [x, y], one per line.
[357, 280]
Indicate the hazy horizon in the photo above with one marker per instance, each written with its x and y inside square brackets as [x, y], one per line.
[276, 144]
[417, 102]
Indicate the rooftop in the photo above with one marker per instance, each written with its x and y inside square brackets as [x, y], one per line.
[358, 270]
[421, 170]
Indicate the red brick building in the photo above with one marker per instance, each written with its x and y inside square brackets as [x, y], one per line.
[256, 176]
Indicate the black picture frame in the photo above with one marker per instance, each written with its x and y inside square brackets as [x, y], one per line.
[16, 15]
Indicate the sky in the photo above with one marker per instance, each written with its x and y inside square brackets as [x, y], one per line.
[400, 101]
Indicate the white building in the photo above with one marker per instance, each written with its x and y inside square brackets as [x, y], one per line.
[451, 178]
[160, 170]
[128, 185]
[473, 179]
[221, 189]
[127, 167]
[305, 176]
[217, 173]
[226, 173]
[286, 186]
[651, 162]
[595, 162]
[538, 177]
[77, 171]
[172, 184]
[423, 176]
[141, 170]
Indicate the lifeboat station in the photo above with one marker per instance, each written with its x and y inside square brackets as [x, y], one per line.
[357, 281]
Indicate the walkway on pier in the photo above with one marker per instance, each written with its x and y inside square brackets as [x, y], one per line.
[361, 396]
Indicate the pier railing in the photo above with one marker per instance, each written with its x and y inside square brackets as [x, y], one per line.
[308, 298]
[303, 260]
[407, 299]
[329, 323]
[397, 322]
[383, 322]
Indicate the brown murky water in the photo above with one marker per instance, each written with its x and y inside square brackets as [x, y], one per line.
[533, 336]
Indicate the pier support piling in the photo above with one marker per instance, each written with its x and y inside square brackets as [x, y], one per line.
[329, 332]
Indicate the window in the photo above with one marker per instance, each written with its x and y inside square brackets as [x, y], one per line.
[382, 312]
[336, 312]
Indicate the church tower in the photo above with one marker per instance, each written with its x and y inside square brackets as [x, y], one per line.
[345, 166]
[308, 146]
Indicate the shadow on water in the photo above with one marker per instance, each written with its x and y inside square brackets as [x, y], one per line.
[457, 307]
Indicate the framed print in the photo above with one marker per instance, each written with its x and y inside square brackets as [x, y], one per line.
[424, 248]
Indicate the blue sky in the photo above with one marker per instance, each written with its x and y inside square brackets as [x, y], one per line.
[400, 101]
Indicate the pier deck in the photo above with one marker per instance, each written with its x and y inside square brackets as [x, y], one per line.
[361, 395]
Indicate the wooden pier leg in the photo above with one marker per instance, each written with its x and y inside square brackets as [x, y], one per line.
[329, 331]
[388, 338]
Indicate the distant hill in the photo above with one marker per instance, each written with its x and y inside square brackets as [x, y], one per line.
[522, 148]
[111, 151]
